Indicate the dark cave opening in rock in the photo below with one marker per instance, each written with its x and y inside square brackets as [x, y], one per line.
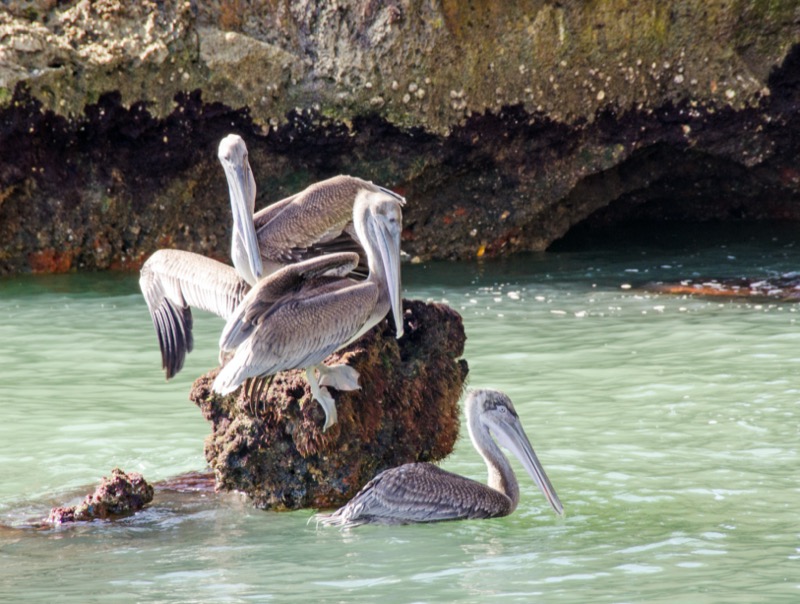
[665, 196]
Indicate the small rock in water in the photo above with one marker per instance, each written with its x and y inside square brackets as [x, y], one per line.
[120, 495]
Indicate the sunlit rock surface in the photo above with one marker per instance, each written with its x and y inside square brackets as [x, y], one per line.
[418, 63]
[506, 125]
[120, 494]
[407, 410]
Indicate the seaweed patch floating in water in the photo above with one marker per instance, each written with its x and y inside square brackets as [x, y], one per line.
[784, 287]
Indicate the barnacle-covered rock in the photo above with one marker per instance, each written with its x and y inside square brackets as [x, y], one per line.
[120, 494]
[406, 410]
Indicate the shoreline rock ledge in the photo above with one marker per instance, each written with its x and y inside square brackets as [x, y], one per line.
[275, 451]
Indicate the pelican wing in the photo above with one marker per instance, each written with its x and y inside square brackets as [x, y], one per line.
[346, 241]
[290, 280]
[316, 215]
[300, 331]
[265, 215]
[419, 492]
[173, 281]
[316, 327]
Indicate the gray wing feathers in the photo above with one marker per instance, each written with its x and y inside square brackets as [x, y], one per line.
[300, 332]
[255, 308]
[173, 281]
[419, 492]
[307, 331]
[317, 214]
[263, 216]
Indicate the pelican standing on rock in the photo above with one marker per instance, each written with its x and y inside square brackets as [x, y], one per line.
[232, 154]
[300, 314]
[315, 221]
[175, 281]
[423, 492]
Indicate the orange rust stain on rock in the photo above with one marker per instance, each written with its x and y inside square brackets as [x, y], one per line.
[700, 290]
[789, 176]
[49, 261]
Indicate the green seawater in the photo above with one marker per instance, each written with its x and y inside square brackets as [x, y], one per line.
[667, 424]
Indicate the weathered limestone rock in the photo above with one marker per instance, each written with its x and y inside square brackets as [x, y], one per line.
[505, 124]
[70, 55]
[120, 495]
[407, 410]
[415, 62]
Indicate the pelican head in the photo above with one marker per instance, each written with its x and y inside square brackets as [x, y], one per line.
[496, 415]
[378, 220]
[245, 252]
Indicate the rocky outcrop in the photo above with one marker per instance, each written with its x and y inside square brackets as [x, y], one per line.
[275, 451]
[119, 495]
[417, 63]
[505, 124]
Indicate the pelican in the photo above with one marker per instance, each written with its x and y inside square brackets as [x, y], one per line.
[317, 220]
[313, 222]
[423, 492]
[297, 316]
[232, 154]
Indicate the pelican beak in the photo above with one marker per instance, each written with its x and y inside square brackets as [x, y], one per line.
[388, 237]
[513, 437]
[242, 190]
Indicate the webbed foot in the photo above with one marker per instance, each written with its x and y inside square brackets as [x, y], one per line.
[341, 377]
[323, 397]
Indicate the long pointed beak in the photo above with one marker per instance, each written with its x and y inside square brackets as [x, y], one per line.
[513, 437]
[242, 190]
[389, 245]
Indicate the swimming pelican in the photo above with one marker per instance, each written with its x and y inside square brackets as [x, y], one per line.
[297, 316]
[423, 492]
[313, 222]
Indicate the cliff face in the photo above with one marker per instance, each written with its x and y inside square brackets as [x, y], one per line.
[504, 124]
